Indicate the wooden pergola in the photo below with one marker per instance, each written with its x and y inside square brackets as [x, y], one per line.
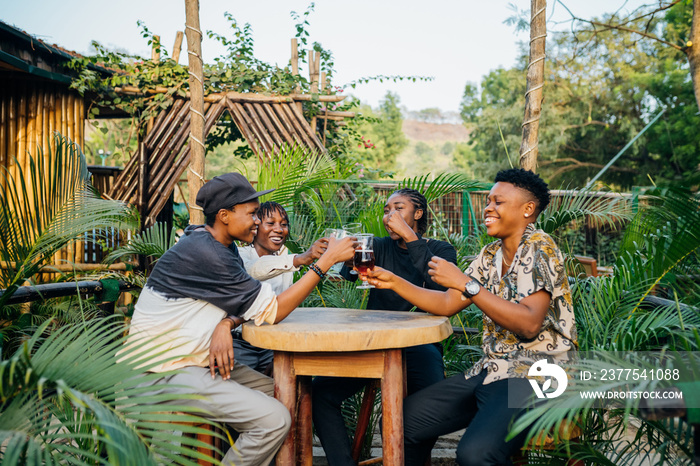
[267, 123]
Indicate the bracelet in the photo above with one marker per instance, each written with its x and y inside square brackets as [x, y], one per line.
[237, 321]
[318, 271]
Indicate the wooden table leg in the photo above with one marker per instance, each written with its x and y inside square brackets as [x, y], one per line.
[286, 393]
[305, 449]
[392, 408]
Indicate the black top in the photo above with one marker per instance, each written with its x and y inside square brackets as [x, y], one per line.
[200, 267]
[410, 264]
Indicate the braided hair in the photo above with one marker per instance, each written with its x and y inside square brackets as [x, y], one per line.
[267, 208]
[419, 202]
[530, 182]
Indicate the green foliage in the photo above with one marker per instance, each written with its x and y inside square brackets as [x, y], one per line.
[73, 396]
[152, 242]
[601, 89]
[47, 206]
[375, 138]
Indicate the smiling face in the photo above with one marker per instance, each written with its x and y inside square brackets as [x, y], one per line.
[403, 206]
[272, 233]
[241, 222]
[508, 211]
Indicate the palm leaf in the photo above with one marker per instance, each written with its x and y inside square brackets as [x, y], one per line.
[292, 170]
[607, 209]
[152, 242]
[663, 241]
[68, 397]
[47, 207]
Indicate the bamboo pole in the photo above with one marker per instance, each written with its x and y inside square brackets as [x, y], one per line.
[4, 123]
[77, 267]
[314, 67]
[195, 173]
[535, 84]
[12, 131]
[177, 47]
[155, 49]
[295, 69]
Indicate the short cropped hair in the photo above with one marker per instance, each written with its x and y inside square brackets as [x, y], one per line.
[529, 181]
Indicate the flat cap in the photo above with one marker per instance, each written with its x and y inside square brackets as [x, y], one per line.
[225, 191]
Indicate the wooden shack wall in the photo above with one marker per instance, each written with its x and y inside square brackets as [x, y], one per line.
[31, 111]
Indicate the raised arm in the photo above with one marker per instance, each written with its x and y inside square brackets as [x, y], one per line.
[337, 251]
[444, 303]
[523, 318]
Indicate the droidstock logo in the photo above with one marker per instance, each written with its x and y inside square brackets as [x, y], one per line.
[550, 371]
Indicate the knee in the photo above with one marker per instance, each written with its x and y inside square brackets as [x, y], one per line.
[277, 420]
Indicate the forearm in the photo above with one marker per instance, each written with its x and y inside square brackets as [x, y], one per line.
[524, 318]
[443, 303]
[292, 297]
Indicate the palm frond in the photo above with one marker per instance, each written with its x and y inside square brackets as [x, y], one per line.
[75, 396]
[443, 184]
[662, 244]
[46, 208]
[600, 209]
[152, 242]
[290, 171]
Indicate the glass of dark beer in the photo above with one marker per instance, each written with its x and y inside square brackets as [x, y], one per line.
[364, 258]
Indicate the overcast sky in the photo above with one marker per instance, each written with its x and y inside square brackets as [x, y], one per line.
[454, 41]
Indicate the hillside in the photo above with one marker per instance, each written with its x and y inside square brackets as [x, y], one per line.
[434, 132]
[430, 147]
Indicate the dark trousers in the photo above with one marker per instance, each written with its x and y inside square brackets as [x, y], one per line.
[424, 367]
[457, 403]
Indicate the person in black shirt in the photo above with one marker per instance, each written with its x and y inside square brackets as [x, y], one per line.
[406, 253]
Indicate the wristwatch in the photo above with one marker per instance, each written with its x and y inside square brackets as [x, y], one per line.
[471, 288]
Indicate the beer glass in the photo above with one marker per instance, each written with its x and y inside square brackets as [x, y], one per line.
[364, 258]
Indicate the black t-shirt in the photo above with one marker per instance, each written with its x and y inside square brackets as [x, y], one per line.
[200, 267]
[410, 264]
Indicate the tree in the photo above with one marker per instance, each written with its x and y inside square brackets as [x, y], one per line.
[598, 99]
[685, 39]
[378, 135]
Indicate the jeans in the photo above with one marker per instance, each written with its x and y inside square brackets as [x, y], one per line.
[424, 367]
[457, 403]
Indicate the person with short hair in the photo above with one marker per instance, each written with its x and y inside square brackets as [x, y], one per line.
[196, 294]
[520, 284]
[268, 259]
[406, 253]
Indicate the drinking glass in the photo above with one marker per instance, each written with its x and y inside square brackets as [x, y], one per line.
[364, 258]
[352, 229]
[336, 233]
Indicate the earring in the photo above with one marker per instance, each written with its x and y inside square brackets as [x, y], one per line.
[527, 215]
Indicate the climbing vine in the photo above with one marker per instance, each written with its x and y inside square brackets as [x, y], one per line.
[140, 88]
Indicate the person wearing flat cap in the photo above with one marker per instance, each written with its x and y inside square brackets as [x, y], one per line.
[196, 294]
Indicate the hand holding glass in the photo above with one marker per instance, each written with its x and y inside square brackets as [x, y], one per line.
[364, 258]
[352, 229]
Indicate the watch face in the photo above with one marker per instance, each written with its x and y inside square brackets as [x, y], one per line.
[472, 288]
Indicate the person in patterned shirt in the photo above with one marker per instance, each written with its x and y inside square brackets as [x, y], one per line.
[519, 282]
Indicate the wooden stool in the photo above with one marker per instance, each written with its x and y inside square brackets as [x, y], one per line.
[546, 441]
[212, 438]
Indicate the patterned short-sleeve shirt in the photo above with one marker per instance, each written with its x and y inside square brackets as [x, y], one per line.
[538, 265]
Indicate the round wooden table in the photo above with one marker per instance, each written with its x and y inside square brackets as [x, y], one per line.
[343, 343]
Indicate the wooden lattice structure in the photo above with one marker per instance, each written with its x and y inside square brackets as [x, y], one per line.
[266, 122]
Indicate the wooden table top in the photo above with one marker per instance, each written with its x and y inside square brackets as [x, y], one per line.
[331, 329]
